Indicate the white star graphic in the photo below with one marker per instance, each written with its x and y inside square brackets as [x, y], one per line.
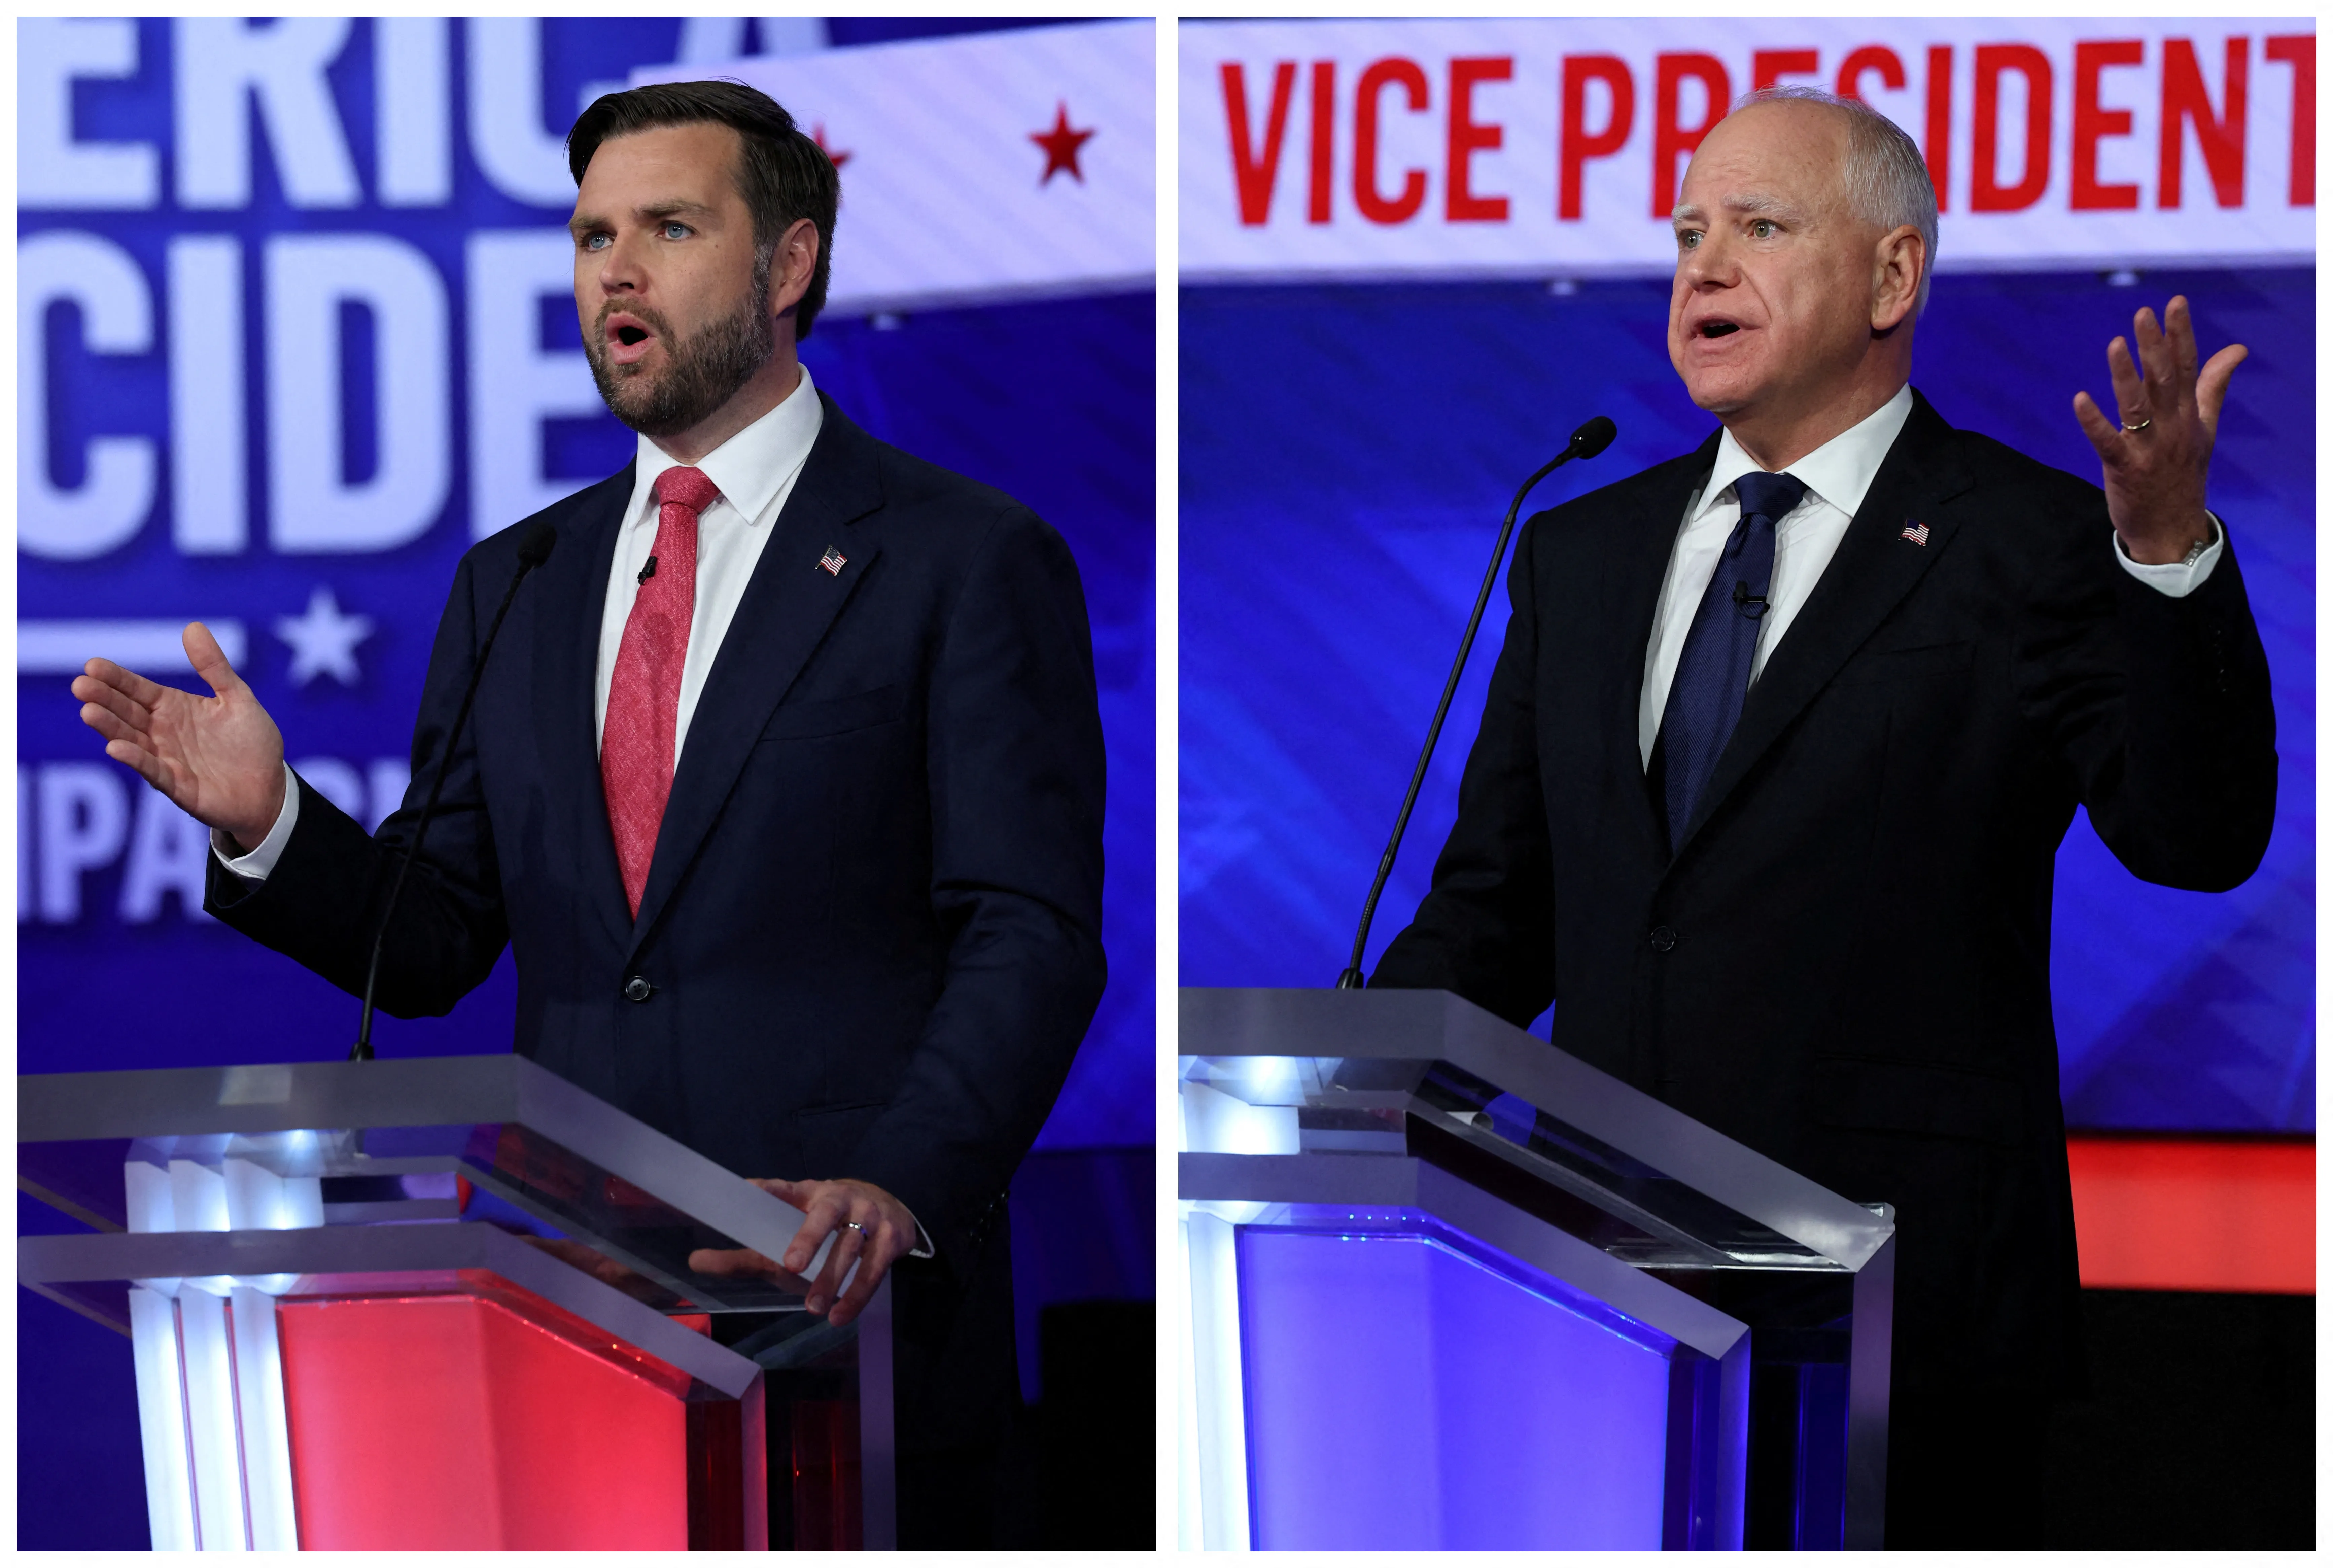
[323, 641]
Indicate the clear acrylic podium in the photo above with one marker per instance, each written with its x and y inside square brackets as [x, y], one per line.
[446, 1304]
[1451, 1288]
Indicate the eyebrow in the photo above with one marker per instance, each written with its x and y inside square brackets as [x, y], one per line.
[1754, 203]
[653, 212]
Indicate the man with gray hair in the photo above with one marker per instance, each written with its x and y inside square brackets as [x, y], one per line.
[1785, 734]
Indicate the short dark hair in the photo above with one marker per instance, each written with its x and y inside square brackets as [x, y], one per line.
[783, 174]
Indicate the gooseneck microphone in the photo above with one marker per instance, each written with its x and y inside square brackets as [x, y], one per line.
[1586, 442]
[533, 549]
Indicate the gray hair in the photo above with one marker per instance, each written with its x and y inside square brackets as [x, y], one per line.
[1886, 178]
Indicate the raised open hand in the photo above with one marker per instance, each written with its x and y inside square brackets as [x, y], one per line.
[219, 759]
[2156, 454]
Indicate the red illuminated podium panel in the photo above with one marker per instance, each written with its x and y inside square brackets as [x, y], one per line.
[446, 1304]
[386, 1397]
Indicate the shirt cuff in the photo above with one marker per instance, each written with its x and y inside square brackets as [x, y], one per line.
[923, 1248]
[256, 866]
[2177, 579]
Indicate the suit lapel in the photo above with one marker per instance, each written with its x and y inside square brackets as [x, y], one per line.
[1874, 568]
[567, 663]
[789, 603]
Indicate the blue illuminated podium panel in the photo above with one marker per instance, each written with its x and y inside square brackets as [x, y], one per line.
[1451, 1288]
[1547, 1413]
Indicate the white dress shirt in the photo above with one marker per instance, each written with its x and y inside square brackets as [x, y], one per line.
[755, 470]
[1837, 475]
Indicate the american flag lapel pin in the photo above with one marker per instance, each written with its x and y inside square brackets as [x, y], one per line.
[1917, 533]
[833, 562]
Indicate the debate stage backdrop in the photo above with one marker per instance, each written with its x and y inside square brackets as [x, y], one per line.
[295, 328]
[1417, 255]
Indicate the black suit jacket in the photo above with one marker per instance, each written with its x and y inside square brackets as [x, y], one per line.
[1845, 961]
[873, 918]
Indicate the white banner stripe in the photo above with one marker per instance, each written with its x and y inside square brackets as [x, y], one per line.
[154, 648]
[946, 199]
[1544, 147]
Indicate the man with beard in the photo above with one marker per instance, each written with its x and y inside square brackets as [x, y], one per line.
[784, 784]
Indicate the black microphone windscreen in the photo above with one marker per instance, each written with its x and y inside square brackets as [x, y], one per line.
[1593, 436]
[534, 548]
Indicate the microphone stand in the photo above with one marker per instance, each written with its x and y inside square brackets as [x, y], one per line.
[532, 552]
[1586, 442]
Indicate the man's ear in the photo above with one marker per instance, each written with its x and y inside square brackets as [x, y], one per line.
[793, 266]
[1899, 263]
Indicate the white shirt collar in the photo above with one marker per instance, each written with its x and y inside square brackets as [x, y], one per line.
[751, 466]
[1839, 470]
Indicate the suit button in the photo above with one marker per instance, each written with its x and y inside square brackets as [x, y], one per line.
[637, 989]
[1663, 938]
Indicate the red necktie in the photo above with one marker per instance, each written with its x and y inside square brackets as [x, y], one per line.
[637, 744]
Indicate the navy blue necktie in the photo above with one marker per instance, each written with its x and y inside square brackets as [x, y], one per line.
[1713, 674]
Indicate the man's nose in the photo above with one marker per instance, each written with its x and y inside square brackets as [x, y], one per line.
[620, 269]
[1710, 263]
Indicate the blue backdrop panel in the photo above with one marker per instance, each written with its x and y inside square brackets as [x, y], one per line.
[1347, 454]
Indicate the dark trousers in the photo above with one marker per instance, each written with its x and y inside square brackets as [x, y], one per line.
[1966, 1453]
[949, 1500]
[1966, 1467]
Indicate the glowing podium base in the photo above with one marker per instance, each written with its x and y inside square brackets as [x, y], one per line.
[446, 1304]
[1451, 1288]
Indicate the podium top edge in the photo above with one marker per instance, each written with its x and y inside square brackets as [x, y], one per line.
[1212, 1007]
[416, 1091]
[1438, 1024]
[272, 1097]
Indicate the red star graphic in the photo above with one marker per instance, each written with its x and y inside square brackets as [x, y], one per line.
[1060, 145]
[818, 135]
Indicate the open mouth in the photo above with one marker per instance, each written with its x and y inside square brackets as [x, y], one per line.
[629, 339]
[1718, 328]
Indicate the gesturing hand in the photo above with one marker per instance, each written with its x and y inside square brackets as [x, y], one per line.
[2156, 454]
[876, 1231]
[219, 759]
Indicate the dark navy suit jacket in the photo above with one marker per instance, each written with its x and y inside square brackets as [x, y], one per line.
[1844, 963]
[872, 925]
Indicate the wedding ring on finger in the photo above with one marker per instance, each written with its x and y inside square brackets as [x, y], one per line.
[2130, 430]
[854, 1225]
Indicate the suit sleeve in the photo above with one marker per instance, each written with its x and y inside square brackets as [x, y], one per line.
[1016, 766]
[322, 903]
[2159, 706]
[1486, 930]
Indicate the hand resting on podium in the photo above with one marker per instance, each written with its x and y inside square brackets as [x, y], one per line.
[585, 1259]
[873, 1230]
[887, 1232]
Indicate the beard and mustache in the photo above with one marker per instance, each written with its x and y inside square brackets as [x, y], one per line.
[702, 371]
